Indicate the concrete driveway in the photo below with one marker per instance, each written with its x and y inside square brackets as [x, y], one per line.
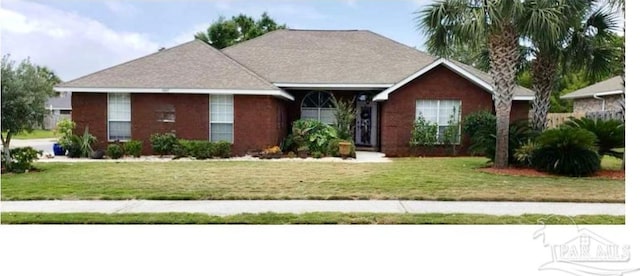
[45, 145]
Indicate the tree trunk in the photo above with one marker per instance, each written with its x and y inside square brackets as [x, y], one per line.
[544, 74]
[503, 53]
[6, 150]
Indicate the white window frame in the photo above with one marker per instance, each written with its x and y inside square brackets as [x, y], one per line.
[211, 122]
[109, 95]
[318, 109]
[438, 110]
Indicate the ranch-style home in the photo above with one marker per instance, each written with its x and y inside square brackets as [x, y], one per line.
[250, 93]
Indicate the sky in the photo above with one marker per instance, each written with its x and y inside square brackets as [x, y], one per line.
[78, 37]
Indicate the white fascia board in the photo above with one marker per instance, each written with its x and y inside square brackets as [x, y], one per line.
[523, 98]
[384, 95]
[278, 93]
[336, 86]
[606, 93]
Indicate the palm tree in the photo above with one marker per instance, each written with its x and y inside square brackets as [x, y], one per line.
[498, 23]
[584, 42]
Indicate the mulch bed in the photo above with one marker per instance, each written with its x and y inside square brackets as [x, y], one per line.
[607, 174]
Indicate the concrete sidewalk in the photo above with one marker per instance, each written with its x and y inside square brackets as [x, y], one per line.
[230, 207]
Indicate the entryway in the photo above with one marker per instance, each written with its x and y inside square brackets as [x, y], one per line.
[366, 122]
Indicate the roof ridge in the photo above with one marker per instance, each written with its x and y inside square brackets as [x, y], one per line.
[130, 61]
[255, 38]
[235, 62]
[401, 44]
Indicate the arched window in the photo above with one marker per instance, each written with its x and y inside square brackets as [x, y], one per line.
[318, 105]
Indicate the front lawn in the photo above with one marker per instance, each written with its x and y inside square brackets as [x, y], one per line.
[36, 134]
[417, 179]
[306, 218]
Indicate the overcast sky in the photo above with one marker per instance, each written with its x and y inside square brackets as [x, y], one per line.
[78, 37]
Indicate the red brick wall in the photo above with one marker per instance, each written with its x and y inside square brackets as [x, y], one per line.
[260, 121]
[398, 112]
[520, 110]
[90, 110]
[191, 116]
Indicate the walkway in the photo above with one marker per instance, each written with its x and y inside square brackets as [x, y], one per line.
[230, 207]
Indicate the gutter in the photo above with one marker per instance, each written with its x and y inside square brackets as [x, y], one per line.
[595, 96]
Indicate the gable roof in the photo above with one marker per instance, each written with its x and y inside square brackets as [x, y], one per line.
[611, 86]
[354, 57]
[480, 78]
[191, 66]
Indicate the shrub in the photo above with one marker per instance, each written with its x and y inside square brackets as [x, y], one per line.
[133, 148]
[566, 151]
[333, 148]
[163, 144]
[115, 151]
[201, 149]
[222, 149]
[424, 133]
[609, 134]
[477, 121]
[317, 154]
[523, 155]
[313, 134]
[519, 133]
[21, 159]
[345, 114]
[81, 145]
[64, 128]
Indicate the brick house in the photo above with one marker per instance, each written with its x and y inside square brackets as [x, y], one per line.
[250, 93]
[602, 96]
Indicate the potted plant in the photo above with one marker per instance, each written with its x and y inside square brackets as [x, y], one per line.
[64, 128]
[344, 148]
[303, 152]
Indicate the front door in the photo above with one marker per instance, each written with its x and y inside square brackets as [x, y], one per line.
[366, 121]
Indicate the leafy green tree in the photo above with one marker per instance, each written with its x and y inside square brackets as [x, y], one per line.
[226, 32]
[498, 24]
[25, 90]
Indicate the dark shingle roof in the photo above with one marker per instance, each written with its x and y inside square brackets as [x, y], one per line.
[192, 65]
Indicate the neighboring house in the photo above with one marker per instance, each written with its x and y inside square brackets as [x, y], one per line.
[58, 108]
[602, 96]
[250, 93]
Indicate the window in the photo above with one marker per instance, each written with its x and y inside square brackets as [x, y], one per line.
[221, 118]
[318, 105]
[119, 122]
[166, 113]
[440, 112]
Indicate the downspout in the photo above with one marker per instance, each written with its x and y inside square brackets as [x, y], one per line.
[595, 96]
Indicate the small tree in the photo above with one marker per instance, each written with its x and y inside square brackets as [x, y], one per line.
[424, 133]
[345, 114]
[25, 90]
[226, 32]
[451, 134]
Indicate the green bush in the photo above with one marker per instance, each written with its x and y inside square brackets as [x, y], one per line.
[222, 149]
[523, 155]
[201, 149]
[479, 121]
[163, 144]
[424, 133]
[64, 128]
[333, 148]
[81, 146]
[609, 134]
[21, 159]
[313, 134]
[317, 154]
[566, 151]
[484, 140]
[115, 151]
[133, 148]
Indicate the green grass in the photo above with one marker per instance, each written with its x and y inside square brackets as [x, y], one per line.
[417, 179]
[36, 134]
[306, 218]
